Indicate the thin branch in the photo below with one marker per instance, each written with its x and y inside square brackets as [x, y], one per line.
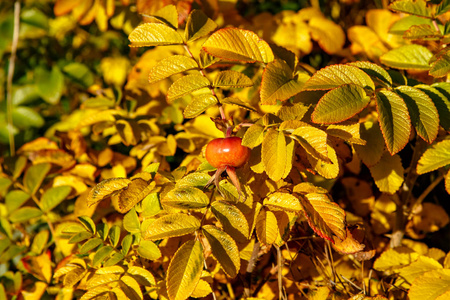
[250, 267]
[12, 61]
[429, 189]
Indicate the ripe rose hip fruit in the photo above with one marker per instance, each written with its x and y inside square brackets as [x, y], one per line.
[227, 152]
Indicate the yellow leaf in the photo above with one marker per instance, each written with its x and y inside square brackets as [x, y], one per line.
[419, 267]
[313, 140]
[198, 25]
[349, 133]
[130, 287]
[388, 173]
[330, 36]
[186, 85]
[154, 34]
[199, 104]
[115, 70]
[232, 219]
[137, 190]
[325, 169]
[129, 131]
[224, 249]
[171, 225]
[185, 270]
[274, 154]
[106, 188]
[36, 291]
[170, 66]
[266, 227]
[186, 198]
[202, 289]
[393, 259]
[433, 285]
[168, 15]
[371, 153]
[238, 45]
[350, 245]
[39, 266]
[283, 202]
[324, 216]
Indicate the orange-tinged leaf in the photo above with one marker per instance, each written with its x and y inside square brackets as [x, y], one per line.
[330, 36]
[394, 120]
[337, 75]
[266, 227]
[232, 220]
[349, 245]
[388, 173]
[41, 143]
[185, 85]
[185, 270]
[238, 45]
[278, 82]
[106, 188]
[325, 217]
[224, 249]
[171, 225]
[340, 104]
[154, 34]
[170, 66]
[39, 266]
[283, 202]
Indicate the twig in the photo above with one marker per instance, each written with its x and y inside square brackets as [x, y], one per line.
[250, 267]
[429, 189]
[12, 61]
[280, 270]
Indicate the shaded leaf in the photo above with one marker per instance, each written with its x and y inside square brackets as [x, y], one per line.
[90, 244]
[238, 45]
[198, 25]
[388, 173]
[371, 153]
[274, 154]
[170, 66]
[440, 95]
[231, 79]
[101, 255]
[232, 219]
[238, 102]
[185, 270]
[224, 249]
[154, 34]
[24, 214]
[15, 199]
[54, 196]
[34, 176]
[172, 225]
[394, 120]
[374, 71]
[441, 66]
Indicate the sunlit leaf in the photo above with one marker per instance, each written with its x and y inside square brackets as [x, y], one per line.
[422, 32]
[148, 250]
[274, 154]
[313, 140]
[424, 115]
[90, 244]
[374, 71]
[170, 66]
[417, 268]
[431, 285]
[278, 82]
[283, 202]
[330, 36]
[326, 218]
[143, 276]
[15, 199]
[253, 136]
[435, 157]
[349, 245]
[168, 15]
[340, 104]
[224, 249]
[336, 75]
[408, 57]
[199, 104]
[131, 222]
[185, 270]
[185, 85]
[198, 25]
[441, 66]
[135, 192]
[131, 288]
[388, 173]
[416, 7]
[239, 45]
[202, 289]
[347, 132]
[371, 153]
[394, 120]
[328, 169]
[154, 34]
[266, 227]
[172, 225]
[39, 266]
[440, 94]
[231, 79]
[392, 259]
[185, 198]
[232, 219]
[101, 255]
[106, 188]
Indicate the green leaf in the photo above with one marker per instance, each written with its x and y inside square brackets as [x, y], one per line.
[424, 115]
[388, 173]
[253, 137]
[278, 82]
[148, 250]
[198, 25]
[336, 75]
[90, 244]
[374, 71]
[186, 85]
[103, 230]
[15, 199]
[170, 66]
[232, 219]
[324, 216]
[80, 236]
[442, 8]
[408, 57]
[224, 249]
[105, 189]
[136, 191]
[131, 222]
[441, 66]
[101, 255]
[440, 95]
[186, 198]
[26, 117]
[403, 24]
[276, 155]
[167, 15]
[154, 34]
[185, 270]
[199, 104]
[435, 157]
[394, 120]
[35, 175]
[24, 214]
[283, 202]
[231, 79]
[422, 32]
[238, 45]
[54, 196]
[172, 225]
[24, 94]
[126, 244]
[40, 241]
[88, 224]
[79, 73]
[340, 104]
[50, 85]
[114, 259]
[412, 7]
[114, 235]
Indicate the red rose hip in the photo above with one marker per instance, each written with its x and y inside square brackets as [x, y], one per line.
[227, 152]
